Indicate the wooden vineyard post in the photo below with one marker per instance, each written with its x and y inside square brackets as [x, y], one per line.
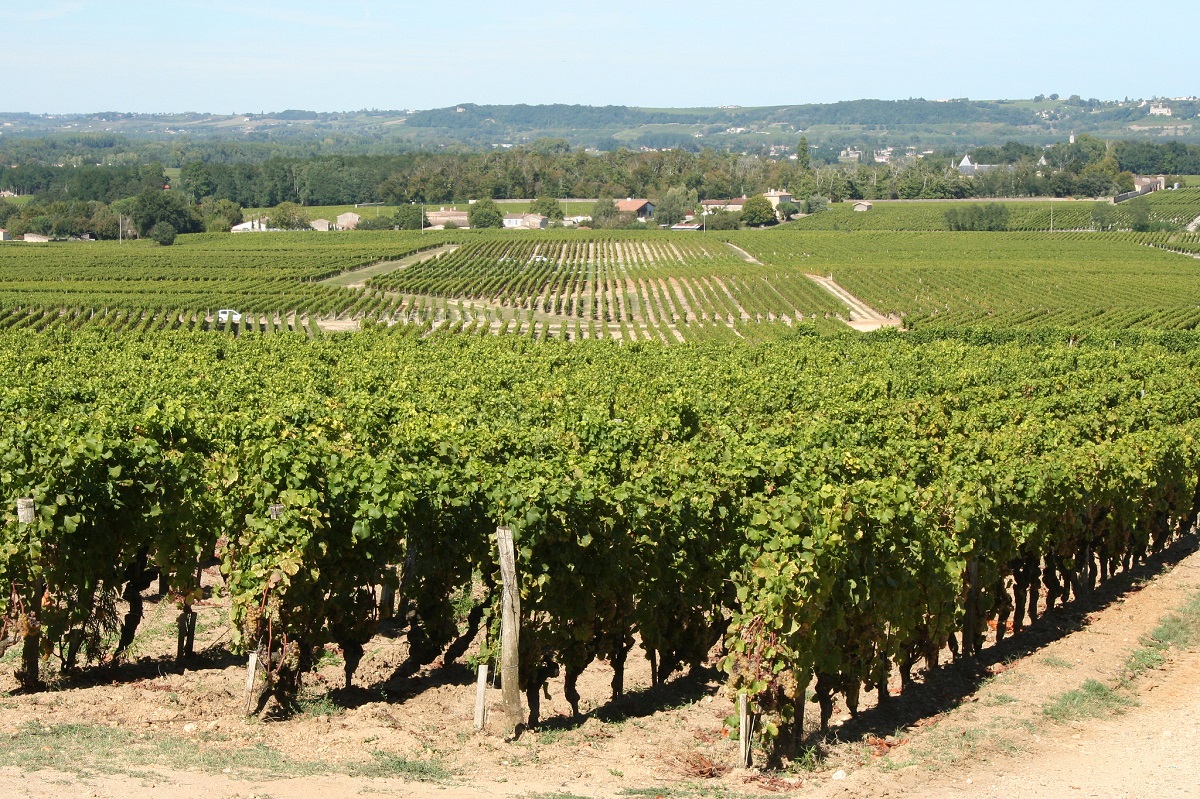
[481, 697]
[186, 625]
[251, 674]
[510, 633]
[387, 595]
[31, 649]
[745, 732]
[971, 609]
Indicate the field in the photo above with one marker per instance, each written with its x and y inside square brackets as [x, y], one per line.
[630, 285]
[1176, 207]
[1066, 280]
[847, 530]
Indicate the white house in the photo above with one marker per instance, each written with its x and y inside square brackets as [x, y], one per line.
[323, 225]
[259, 225]
[776, 197]
[36, 237]
[1160, 110]
[862, 206]
[348, 220]
[4, 235]
[526, 221]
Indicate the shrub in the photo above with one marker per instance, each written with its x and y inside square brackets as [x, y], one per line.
[163, 233]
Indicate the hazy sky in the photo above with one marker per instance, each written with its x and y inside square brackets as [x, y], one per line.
[225, 57]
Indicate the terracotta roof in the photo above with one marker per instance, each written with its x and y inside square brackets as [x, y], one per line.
[631, 205]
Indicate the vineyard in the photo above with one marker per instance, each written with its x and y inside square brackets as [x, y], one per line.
[1178, 208]
[627, 285]
[1080, 280]
[624, 286]
[825, 512]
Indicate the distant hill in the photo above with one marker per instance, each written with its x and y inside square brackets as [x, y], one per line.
[951, 124]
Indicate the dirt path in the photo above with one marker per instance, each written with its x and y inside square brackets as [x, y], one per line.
[1002, 743]
[862, 316]
[745, 256]
[357, 278]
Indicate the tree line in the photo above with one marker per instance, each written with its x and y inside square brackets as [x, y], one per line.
[69, 200]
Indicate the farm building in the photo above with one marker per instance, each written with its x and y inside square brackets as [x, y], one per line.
[321, 224]
[733, 206]
[1148, 183]
[440, 218]
[348, 221]
[525, 221]
[36, 237]
[863, 205]
[642, 209]
[4, 235]
[776, 197]
[259, 225]
[969, 168]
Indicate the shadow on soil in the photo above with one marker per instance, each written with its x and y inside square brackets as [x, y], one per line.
[946, 687]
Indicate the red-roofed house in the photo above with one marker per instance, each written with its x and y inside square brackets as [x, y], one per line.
[642, 209]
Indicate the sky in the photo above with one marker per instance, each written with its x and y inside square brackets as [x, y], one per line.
[65, 56]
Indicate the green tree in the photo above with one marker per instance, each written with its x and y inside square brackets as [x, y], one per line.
[548, 207]
[196, 179]
[758, 211]
[163, 233]
[673, 206]
[288, 216]
[1102, 216]
[787, 210]
[721, 220]
[604, 212]
[157, 205]
[484, 214]
[803, 156]
[411, 217]
[1139, 216]
[220, 215]
[815, 204]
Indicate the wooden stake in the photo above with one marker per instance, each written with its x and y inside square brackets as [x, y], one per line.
[971, 610]
[387, 595]
[481, 697]
[251, 675]
[510, 634]
[744, 731]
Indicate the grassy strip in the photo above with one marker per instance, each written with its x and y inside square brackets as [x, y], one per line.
[85, 749]
[1179, 629]
[1091, 700]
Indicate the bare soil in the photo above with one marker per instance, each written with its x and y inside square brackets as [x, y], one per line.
[978, 728]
